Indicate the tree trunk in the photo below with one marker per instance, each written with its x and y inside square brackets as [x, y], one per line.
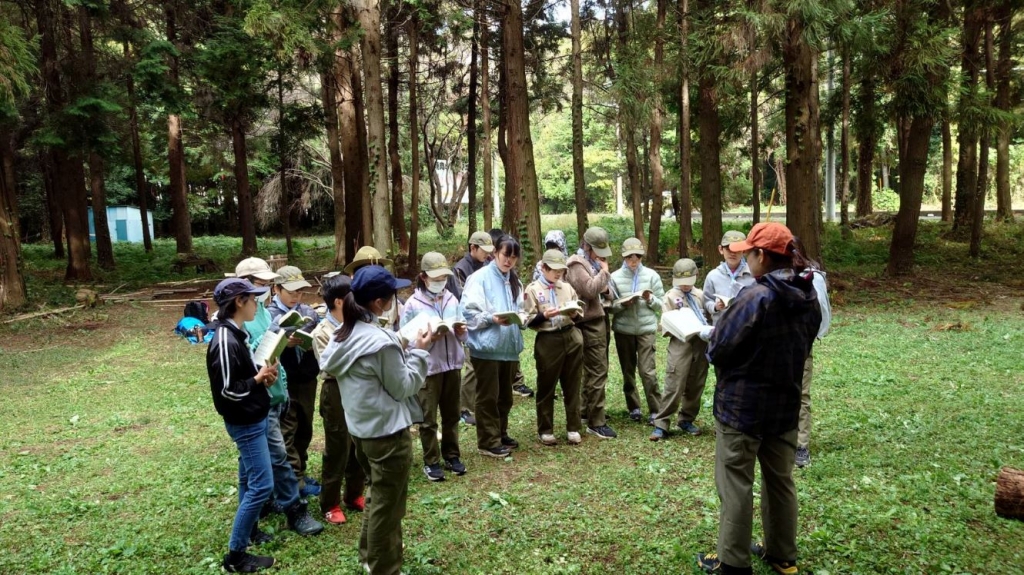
[578, 183]
[104, 247]
[755, 156]
[967, 163]
[414, 149]
[363, 147]
[628, 125]
[978, 217]
[355, 172]
[140, 175]
[12, 280]
[803, 145]
[913, 166]
[369, 20]
[1009, 499]
[485, 113]
[520, 173]
[180, 219]
[654, 152]
[947, 172]
[709, 151]
[282, 171]
[401, 235]
[684, 213]
[471, 143]
[246, 222]
[844, 150]
[55, 217]
[328, 87]
[1004, 69]
[866, 140]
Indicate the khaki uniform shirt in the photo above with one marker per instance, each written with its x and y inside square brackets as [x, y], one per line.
[537, 299]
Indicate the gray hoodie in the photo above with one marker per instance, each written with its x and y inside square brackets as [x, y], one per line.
[378, 380]
[720, 281]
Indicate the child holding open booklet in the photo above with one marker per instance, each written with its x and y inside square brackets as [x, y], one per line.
[430, 307]
[687, 369]
[552, 305]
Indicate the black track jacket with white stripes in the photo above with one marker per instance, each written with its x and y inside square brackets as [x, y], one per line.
[236, 395]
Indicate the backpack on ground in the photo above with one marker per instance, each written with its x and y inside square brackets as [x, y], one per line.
[198, 309]
[194, 330]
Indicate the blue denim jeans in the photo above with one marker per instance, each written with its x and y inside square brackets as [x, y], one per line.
[286, 486]
[255, 480]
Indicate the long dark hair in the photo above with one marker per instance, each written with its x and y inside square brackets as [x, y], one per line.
[509, 246]
[351, 312]
[794, 258]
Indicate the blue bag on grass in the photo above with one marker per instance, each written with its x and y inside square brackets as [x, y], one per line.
[194, 330]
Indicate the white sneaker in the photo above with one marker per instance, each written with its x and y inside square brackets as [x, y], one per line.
[574, 437]
[548, 439]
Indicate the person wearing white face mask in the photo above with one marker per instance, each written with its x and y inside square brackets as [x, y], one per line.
[444, 376]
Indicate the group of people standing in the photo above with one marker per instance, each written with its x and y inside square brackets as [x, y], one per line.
[761, 313]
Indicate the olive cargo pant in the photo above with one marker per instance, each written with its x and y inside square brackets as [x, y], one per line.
[386, 462]
[804, 435]
[637, 351]
[559, 357]
[493, 400]
[685, 377]
[595, 370]
[440, 392]
[339, 452]
[297, 425]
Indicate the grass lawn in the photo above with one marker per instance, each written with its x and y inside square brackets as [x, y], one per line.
[113, 460]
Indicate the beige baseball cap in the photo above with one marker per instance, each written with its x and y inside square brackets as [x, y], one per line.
[633, 246]
[255, 267]
[554, 259]
[435, 265]
[367, 255]
[482, 239]
[290, 278]
[597, 238]
[684, 272]
[732, 236]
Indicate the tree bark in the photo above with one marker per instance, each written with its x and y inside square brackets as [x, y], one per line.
[755, 161]
[368, 12]
[55, 217]
[654, 152]
[414, 148]
[520, 173]
[684, 213]
[471, 143]
[709, 151]
[628, 126]
[803, 145]
[867, 135]
[844, 150]
[104, 247]
[1009, 498]
[246, 222]
[355, 172]
[1004, 69]
[978, 217]
[363, 148]
[140, 174]
[328, 92]
[282, 171]
[401, 235]
[485, 114]
[180, 219]
[12, 280]
[967, 163]
[947, 172]
[913, 166]
[578, 182]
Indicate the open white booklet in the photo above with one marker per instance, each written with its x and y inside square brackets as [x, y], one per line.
[425, 322]
[681, 324]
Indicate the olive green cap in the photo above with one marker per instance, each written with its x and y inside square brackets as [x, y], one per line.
[367, 255]
[684, 272]
[597, 238]
[435, 265]
[290, 278]
[554, 259]
[482, 239]
[633, 246]
[733, 236]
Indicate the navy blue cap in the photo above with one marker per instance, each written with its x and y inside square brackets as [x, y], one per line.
[231, 288]
[375, 282]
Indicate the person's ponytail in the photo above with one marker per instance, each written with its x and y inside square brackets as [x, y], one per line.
[351, 312]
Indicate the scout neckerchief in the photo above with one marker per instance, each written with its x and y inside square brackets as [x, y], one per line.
[596, 265]
[693, 306]
[636, 275]
[551, 290]
[733, 282]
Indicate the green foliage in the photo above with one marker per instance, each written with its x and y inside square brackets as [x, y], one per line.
[17, 65]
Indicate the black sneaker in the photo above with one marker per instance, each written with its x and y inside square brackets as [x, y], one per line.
[455, 466]
[604, 432]
[650, 420]
[467, 417]
[242, 562]
[509, 442]
[271, 506]
[689, 427]
[783, 567]
[635, 415]
[259, 537]
[501, 451]
[803, 457]
[709, 562]
[522, 390]
[434, 472]
[301, 522]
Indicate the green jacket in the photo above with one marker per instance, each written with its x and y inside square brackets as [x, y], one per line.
[641, 317]
[256, 328]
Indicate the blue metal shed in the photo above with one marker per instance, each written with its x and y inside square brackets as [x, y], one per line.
[124, 222]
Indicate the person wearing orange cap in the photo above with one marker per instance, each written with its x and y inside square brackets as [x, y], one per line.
[758, 347]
